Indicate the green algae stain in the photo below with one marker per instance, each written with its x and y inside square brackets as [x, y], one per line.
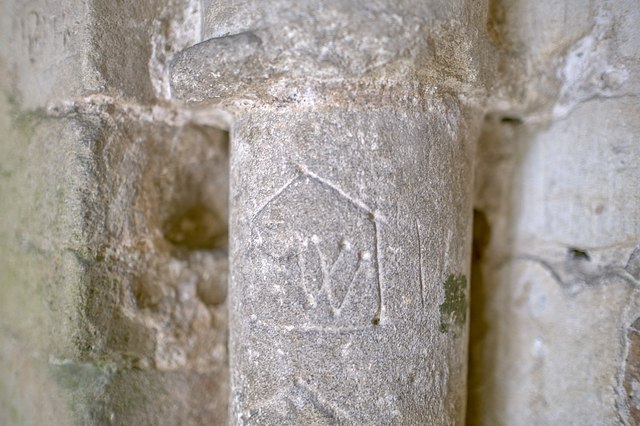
[23, 121]
[453, 311]
[84, 386]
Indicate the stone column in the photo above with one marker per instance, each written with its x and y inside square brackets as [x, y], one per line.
[350, 211]
[349, 265]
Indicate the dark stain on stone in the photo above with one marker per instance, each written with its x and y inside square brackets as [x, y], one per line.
[481, 235]
[196, 228]
[23, 121]
[453, 311]
[496, 18]
[631, 382]
[577, 254]
[514, 121]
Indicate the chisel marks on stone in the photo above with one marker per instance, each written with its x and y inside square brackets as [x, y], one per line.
[420, 271]
[381, 307]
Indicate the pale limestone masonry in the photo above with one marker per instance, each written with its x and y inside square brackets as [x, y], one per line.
[319, 212]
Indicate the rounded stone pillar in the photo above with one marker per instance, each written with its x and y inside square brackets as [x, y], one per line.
[349, 264]
[350, 210]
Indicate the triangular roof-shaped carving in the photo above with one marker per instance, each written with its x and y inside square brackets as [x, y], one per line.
[303, 172]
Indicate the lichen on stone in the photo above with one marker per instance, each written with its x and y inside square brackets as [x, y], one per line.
[453, 311]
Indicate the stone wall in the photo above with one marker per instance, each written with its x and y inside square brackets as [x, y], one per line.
[243, 212]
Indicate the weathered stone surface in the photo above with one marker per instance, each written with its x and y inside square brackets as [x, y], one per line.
[155, 292]
[338, 276]
[39, 274]
[313, 52]
[339, 211]
[85, 289]
[558, 293]
[557, 184]
[46, 51]
[351, 177]
[631, 381]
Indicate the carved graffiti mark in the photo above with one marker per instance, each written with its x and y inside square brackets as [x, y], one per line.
[322, 404]
[381, 304]
[328, 273]
[313, 226]
[362, 206]
[300, 403]
[40, 32]
[301, 172]
[309, 329]
[273, 197]
[420, 271]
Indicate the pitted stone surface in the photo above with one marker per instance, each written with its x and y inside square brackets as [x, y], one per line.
[336, 280]
[339, 211]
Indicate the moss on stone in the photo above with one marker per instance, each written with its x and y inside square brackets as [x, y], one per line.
[453, 311]
[23, 121]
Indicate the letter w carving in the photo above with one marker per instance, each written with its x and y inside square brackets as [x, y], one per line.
[320, 275]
